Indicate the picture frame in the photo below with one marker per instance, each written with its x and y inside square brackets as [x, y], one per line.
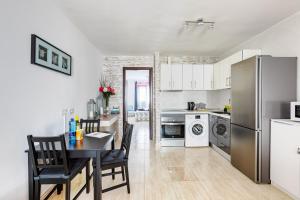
[49, 56]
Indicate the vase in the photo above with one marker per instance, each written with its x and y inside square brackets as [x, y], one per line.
[106, 110]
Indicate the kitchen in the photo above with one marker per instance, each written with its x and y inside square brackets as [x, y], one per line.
[222, 88]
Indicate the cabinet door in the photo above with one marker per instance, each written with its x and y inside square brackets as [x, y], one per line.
[208, 76]
[248, 53]
[165, 77]
[187, 77]
[198, 77]
[176, 76]
[222, 74]
[285, 160]
[217, 76]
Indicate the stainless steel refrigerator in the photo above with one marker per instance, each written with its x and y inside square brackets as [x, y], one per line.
[261, 89]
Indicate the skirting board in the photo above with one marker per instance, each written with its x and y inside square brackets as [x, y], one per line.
[222, 153]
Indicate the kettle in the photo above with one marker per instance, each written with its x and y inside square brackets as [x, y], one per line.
[191, 105]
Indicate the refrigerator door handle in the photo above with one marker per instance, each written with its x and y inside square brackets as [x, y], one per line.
[258, 156]
[258, 108]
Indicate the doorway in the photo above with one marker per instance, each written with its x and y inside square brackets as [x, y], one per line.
[137, 97]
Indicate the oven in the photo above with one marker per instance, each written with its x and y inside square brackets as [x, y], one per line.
[172, 129]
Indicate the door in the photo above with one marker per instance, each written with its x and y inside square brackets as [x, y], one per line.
[187, 77]
[176, 76]
[285, 158]
[243, 150]
[243, 94]
[165, 77]
[208, 77]
[198, 77]
[217, 76]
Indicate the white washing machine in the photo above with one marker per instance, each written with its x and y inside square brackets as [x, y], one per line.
[196, 130]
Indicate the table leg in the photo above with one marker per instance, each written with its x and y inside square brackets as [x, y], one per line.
[97, 178]
[112, 148]
[30, 179]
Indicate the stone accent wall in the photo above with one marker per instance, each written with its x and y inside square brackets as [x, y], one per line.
[113, 70]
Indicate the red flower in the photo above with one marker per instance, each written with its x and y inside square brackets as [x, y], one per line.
[101, 89]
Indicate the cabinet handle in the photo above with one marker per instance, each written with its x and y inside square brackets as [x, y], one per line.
[191, 84]
[212, 85]
[170, 84]
[298, 150]
[229, 84]
[195, 84]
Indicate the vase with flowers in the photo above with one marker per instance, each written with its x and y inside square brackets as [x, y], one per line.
[107, 90]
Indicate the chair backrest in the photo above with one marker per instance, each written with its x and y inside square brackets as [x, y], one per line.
[90, 125]
[48, 152]
[126, 139]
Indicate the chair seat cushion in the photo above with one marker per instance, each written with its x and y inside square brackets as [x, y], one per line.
[111, 157]
[75, 165]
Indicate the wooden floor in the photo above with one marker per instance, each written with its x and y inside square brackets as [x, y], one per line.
[180, 173]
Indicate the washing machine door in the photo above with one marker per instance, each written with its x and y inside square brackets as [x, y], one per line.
[197, 129]
[223, 132]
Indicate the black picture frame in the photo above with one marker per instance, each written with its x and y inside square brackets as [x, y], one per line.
[49, 56]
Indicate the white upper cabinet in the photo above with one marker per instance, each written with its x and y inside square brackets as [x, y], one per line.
[192, 77]
[171, 77]
[208, 76]
[222, 71]
[198, 77]
[165, 77]
[176, 76]
[187, 77]
[217, 75]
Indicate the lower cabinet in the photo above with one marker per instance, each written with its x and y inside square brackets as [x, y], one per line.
[285, 156]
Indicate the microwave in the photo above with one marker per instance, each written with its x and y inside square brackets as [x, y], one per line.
[295, 111]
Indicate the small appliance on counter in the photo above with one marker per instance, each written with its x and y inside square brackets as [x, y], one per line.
[295, 111]
[191, 106]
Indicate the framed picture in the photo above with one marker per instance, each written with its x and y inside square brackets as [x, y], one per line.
[49, 56]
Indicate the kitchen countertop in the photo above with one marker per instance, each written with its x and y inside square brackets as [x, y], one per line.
[286, 121]
[108, 120]
[208, 111]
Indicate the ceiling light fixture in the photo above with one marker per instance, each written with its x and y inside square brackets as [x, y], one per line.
[200, 22]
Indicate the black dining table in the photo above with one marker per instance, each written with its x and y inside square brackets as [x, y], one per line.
[89, 147]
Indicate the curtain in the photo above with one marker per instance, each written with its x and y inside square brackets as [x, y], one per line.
[142, 95]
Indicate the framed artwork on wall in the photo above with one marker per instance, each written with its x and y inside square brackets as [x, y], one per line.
[49, 56]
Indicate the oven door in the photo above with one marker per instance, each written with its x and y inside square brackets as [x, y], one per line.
[172, 130]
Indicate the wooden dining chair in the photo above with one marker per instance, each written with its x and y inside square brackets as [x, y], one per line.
[90, 125]
[118, 158]
[51, 165]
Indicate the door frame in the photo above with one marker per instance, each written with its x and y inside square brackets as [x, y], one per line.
[150, 70]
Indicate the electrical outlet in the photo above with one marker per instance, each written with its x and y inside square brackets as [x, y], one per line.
[71, 111]
[64, 112]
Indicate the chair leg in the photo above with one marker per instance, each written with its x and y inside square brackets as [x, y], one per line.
[123, 175]
[59, 188]
[113, 173]
[127, 178]
[87, 177]
[68, 190]
[37, 190]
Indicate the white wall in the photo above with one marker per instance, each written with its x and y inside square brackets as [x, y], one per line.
[32, 97]
[283, 39]
[218, 98]
[179, 99]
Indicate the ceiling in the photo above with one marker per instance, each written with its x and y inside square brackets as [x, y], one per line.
[141, 27]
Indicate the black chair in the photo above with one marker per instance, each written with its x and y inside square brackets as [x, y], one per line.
[112, 159]
[52, 166]
[90, 125]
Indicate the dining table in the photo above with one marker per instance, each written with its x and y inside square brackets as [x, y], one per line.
[88, 147]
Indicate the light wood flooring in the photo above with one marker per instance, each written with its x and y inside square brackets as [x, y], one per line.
[172, 173]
